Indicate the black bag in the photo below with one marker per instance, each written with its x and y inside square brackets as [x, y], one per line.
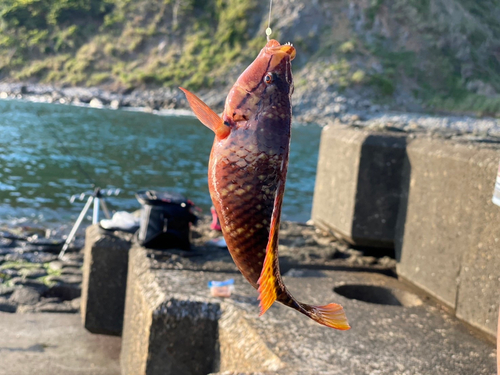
[165, 220]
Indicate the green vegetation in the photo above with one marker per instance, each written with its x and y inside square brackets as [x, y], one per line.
[445, 52]
[51, 271]
[47, 280]
[451, 46]
[17, 265]
[478, 104]
[91, 42]
[24, 268]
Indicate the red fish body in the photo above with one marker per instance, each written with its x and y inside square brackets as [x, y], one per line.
[247, 173]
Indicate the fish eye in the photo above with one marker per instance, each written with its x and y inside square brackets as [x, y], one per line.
[268, 78]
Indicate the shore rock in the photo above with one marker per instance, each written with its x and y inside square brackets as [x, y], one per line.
[7, 306]
[33, 273]
[6, 290]
[49, 305]
[56, 265]
[25, 296]
[66, 291]
[38, 285]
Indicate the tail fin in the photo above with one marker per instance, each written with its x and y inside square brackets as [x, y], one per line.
[331, 315]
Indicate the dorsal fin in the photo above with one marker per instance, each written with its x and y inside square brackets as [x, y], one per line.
[206, 115]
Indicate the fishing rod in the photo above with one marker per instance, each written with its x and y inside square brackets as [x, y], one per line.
[97, 197]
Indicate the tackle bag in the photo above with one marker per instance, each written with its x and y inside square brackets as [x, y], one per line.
[165, 220]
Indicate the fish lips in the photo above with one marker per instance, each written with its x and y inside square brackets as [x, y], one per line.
[273, 47]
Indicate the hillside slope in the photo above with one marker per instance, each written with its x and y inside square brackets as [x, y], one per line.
[407, 54]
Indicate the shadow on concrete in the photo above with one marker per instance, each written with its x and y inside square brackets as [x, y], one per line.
[379, 182]
[403, 207]
[378, 295]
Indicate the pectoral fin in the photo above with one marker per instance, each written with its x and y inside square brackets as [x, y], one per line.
[268, 288]
[206, 115]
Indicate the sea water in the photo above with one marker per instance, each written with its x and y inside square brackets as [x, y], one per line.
[49, 152]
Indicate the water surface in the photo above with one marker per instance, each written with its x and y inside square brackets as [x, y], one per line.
[49, 152]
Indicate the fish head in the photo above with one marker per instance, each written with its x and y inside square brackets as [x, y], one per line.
[266, 83]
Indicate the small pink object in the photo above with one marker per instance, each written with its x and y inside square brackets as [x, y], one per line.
[221, 288]
[215, 220]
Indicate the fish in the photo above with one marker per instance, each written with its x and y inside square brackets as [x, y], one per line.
[247, 173]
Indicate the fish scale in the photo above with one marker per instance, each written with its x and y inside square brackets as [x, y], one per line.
[251, 211]
[247, 174]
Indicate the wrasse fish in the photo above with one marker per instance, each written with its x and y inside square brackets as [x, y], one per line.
[247, 173]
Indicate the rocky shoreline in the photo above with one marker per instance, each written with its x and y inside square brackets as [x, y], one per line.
[322, 107]
[33, 279]
[44, 285]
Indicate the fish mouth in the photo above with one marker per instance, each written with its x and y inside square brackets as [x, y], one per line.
[275, 48]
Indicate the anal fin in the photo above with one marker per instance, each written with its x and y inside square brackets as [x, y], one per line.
[267, 282]
[270, 270]
[270, 283]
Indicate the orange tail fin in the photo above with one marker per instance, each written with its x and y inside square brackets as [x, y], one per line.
[331, 315]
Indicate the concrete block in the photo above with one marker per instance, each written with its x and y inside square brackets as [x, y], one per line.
[357, 190]
[447, 232]
[165, 333]
[393, 329]
[104, 280]
[478, 297]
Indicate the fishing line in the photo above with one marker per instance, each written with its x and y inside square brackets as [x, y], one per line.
[268, 30]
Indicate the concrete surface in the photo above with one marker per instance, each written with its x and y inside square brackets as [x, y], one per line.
[478, 297]
[447, 236]
[104, 280]
[54, 344]
[357, 191]
[400, 334]
[165, 333]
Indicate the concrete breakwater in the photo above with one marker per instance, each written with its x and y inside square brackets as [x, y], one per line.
[427, 195]
[169, 318]
[172, 325]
